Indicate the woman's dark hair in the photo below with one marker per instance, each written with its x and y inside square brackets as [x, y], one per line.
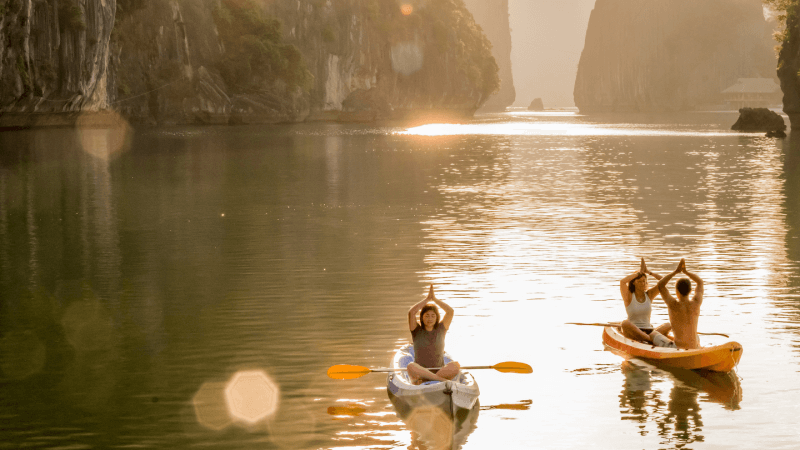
[425, 309]
[684, 286]
[631, 287]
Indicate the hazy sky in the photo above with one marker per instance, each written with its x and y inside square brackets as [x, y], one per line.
[547, 37]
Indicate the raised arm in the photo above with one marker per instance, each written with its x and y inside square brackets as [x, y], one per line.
[448, 311]
[662, 284]
[414, 311]
[623, 287]
[653, 291]
[698, 290]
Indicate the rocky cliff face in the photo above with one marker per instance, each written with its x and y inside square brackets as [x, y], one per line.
[789, 67]
[54, 55]
[664, 55]
[239, 61]
[492, 16]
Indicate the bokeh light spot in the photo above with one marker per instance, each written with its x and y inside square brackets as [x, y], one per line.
[407, 57]
[210, 406]
[252, 396]
[87, 325]
[103, 135]
[406, 9]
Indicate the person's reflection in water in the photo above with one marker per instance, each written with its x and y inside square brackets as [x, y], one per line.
[636, 394]
[682, 421]
[433, 428]
[678, 421]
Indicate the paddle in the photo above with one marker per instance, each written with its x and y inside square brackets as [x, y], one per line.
[616, 324]
[348, 372]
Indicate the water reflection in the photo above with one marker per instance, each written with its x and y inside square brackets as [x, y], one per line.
[644, 399]
[59, 267]
[349, 410]
[433, 427]
[199, 252]
[522, 405]
[791, 192]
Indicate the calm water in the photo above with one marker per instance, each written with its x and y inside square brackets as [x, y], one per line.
[140, 272]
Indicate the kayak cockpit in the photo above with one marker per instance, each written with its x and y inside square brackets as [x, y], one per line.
[405, 356]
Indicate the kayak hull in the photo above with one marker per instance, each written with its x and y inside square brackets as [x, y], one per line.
[718, 358]
[457, 396]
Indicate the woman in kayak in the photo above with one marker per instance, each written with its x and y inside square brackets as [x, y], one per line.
[638, 304]
[428, 336]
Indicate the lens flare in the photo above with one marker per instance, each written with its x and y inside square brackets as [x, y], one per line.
[406, 9]
[210, 407]
[407, 57]
[88, 326]
[103, 136]
[252, 396]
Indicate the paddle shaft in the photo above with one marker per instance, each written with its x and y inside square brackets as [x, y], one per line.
[616, 324]
[349, 372]
[388, 369]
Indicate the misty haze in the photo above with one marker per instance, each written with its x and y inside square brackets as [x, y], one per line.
[399, 224]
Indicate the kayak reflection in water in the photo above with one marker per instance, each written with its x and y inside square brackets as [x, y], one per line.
[428, 337]
[639, 304]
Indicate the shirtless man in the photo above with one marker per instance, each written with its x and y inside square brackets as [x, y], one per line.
[683, 312]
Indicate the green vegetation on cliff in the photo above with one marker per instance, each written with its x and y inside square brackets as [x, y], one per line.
[784, 9]
[787, 14]
[255, 55]
[453, 31]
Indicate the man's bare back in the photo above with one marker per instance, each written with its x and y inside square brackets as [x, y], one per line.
[684, 312]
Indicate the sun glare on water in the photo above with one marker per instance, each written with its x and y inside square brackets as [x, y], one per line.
[550, 128]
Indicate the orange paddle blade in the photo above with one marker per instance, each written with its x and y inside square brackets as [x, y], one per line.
[347, 372]
[512, 367]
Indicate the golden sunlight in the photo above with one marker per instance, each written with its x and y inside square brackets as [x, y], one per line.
[550, 128]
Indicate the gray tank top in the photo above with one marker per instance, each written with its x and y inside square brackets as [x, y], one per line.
[429, 346]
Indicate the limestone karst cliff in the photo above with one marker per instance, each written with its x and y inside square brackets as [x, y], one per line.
[242, 61]
[666, 55]
[492, 16]
[789, 65]
[54, 55]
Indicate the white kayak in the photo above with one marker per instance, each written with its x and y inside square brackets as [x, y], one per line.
[461, 393]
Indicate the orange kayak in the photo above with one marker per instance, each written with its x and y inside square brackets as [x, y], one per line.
[719, 358]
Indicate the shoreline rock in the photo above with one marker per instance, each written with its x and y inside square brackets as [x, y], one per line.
[759, 120]
[536, 105]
